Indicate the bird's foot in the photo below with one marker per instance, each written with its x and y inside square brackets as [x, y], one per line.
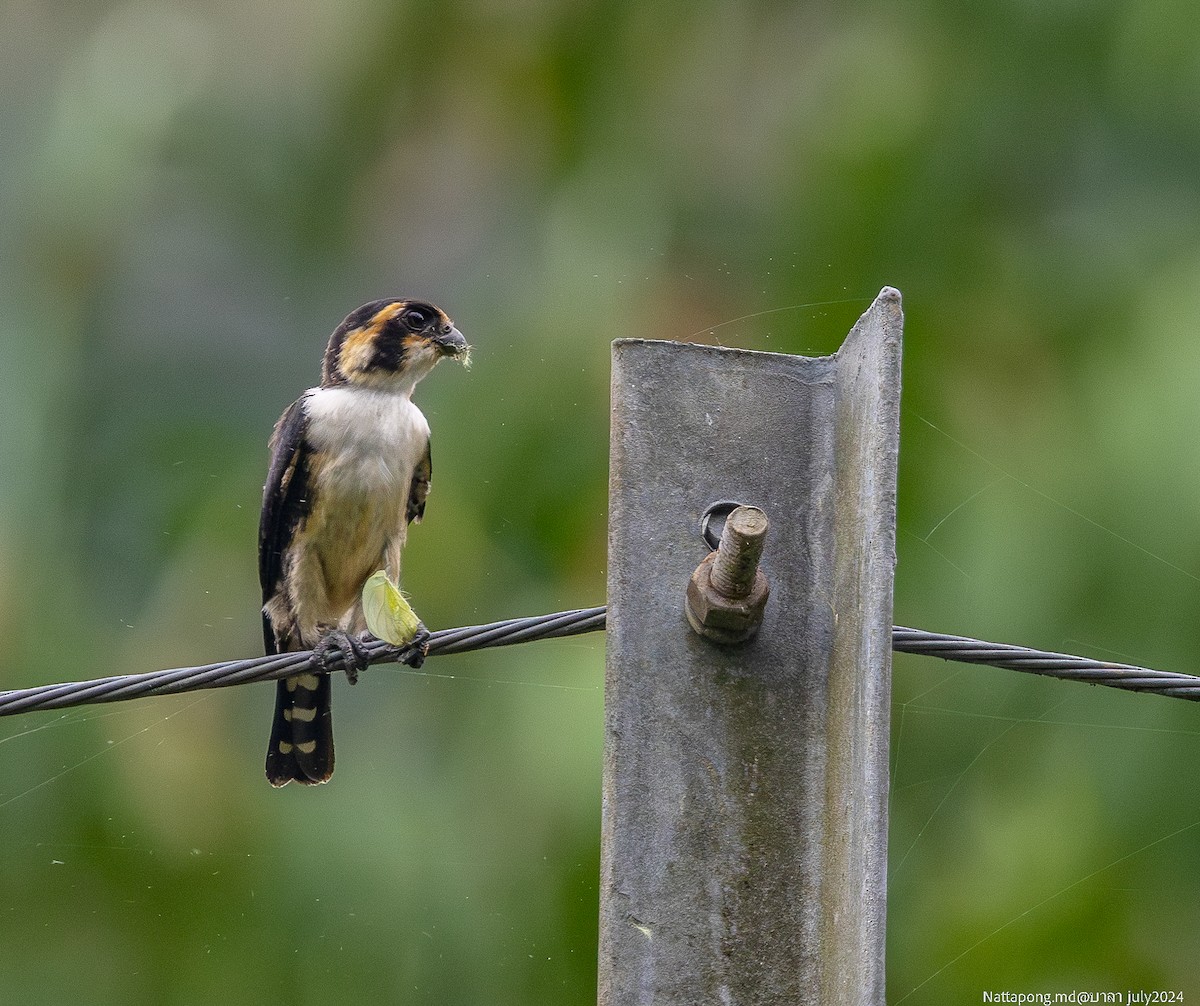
[414, 652]
[336, 645]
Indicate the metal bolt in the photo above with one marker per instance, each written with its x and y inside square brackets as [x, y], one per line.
[727, 593]
[741, 547]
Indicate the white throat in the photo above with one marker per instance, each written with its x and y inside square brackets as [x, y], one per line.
[372, 439]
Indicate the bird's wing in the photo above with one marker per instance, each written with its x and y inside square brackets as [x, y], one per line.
[285, 504]
[419, 489]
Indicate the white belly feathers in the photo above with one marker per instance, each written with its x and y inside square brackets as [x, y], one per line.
[372, 441]
[366, 445]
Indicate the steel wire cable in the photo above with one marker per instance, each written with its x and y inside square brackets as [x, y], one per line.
[236, 672]
[571, 623]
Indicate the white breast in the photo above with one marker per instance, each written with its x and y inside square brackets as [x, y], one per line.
[372, 441]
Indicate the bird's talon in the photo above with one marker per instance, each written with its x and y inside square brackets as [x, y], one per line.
[336, 646]
[417, 650]
[413, 653]
[362, 659]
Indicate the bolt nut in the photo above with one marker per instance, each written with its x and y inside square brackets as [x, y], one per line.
[718, 617]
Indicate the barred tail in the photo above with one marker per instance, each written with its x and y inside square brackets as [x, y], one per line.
[301, 747]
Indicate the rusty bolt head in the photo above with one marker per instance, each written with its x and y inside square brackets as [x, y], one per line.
[719, 618]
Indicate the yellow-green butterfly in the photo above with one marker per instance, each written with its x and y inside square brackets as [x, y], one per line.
[388, 615]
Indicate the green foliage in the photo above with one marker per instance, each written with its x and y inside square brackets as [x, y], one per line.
[194, 195]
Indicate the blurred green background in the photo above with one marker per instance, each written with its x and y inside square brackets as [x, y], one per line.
[193, 195]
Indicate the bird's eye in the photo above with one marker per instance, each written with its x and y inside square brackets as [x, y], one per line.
[415, 319]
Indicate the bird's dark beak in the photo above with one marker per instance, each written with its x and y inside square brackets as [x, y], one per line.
[450, 341]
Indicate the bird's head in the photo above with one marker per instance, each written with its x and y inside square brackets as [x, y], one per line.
[390, 345]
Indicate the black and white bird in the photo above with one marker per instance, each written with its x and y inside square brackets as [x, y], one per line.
[350, 469]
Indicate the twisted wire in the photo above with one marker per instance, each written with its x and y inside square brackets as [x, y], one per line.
[1045, 662]
[572, 623]
[237, 672]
